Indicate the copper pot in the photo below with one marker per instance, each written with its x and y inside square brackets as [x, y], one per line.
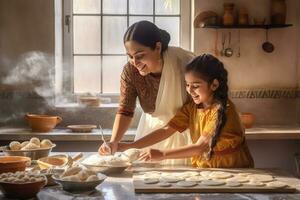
[247, 119]
[42, 123]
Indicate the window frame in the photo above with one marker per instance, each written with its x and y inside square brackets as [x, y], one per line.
[67, 79]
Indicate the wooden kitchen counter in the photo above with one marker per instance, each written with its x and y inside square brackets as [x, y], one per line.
[257, 133]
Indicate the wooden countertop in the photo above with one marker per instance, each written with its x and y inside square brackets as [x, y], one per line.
[257, 133]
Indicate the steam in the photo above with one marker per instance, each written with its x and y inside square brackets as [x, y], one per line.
[35, 69]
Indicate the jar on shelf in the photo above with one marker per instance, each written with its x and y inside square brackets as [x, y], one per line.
[243, 17]
[278, 12]
[228, 17]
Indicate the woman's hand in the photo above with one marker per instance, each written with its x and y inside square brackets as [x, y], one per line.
[152, 154]
[108, 148]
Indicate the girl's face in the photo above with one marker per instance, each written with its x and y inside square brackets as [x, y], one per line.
[199, 89]
[143, 58]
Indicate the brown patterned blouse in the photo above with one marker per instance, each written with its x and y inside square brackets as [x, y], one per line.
[134, 85]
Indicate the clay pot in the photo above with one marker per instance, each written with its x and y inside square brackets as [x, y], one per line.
[243, 17]
[247, 119]
[42, 123]
[278, 12]
[13, 163]
[228, 17]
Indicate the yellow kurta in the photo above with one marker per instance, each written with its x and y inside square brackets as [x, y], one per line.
[230, 150]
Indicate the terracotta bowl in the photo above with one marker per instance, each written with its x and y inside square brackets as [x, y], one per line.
[53, 161]
[42, 123]
[21, 190]
[13, 163]
[247, 119]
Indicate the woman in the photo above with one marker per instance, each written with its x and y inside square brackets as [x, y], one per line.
[154, 74]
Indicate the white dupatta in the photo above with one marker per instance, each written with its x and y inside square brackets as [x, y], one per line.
[171, 96]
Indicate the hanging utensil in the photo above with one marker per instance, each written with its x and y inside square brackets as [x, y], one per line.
[223, 44]
[228, 51]
[267, 46]
[216, 44]
[239, 43]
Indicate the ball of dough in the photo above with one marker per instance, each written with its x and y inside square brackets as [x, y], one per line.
[46, 143]
[83, 175]
[14, 146]
[133, 154]
[71, 178]
[71, 171]
[23, 144]
[30, 146]
[92, 178]
[35, 141]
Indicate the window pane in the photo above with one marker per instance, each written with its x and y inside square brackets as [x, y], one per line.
[132, 20]
[114, 6]
[112, 69]
[171, 25]
[86, 6]
[87, 74]
[167, 7]
[113, 31]
[144, 7]
[86, 34]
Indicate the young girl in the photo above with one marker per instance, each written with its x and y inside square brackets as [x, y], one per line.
[218, 138]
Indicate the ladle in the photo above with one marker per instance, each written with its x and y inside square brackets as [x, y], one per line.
[228, 51]
[267, 46]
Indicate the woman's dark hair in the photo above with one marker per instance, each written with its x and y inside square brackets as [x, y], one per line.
[208, 68]
[147, 34]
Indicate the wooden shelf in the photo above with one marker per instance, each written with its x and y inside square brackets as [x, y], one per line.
[265, 26]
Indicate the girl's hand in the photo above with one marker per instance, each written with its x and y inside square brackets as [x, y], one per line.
[108, 148]
[152, 154]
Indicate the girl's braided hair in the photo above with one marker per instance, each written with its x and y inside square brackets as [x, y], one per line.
[209, 68]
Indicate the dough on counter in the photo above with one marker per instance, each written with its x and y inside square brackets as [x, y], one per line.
[254, 183]
[212, 182]
[244, 174]
[261, 177]
[220, 175]
[170, 179]
[14, 146]
[205, 173]
[233, 184]
[151, 180]
[46, 143]
[36, 141]
[196, 178]
[186, 183]
[240, 179]
[277, 184]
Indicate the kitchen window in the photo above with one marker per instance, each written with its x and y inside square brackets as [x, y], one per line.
[92, 39]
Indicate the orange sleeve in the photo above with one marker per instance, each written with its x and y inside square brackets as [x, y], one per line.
[181, 120]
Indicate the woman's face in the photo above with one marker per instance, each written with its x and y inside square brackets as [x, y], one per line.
[199, 89]
[143, 58]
